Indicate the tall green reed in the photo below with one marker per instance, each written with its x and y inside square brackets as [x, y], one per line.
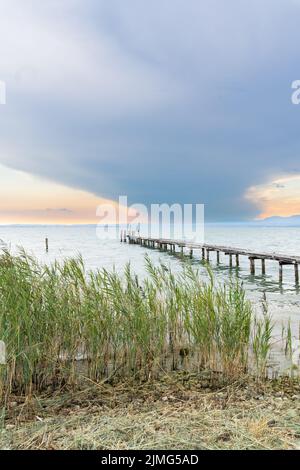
[61, 323]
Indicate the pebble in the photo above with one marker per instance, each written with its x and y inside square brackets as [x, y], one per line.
[9, 426]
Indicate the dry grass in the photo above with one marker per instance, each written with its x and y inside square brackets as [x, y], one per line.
[175, 413]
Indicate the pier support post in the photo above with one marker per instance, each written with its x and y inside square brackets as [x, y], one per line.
[252, 265]
[47, 244]
[182, 251]
[207, 256]
[191, 253]
[230, 260]
[296, 274]
[218, 257]
[237, 260]
[263, 267]
[280, 273]
[203, 253]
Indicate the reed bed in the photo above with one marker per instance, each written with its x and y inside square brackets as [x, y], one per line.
[62, 324]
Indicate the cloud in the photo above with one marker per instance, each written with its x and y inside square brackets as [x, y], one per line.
[161, 101]
[280, 197]
[62, 209]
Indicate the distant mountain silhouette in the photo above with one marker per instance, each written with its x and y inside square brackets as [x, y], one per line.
[293, 220]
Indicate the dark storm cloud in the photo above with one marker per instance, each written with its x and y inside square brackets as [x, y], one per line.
[168, 101]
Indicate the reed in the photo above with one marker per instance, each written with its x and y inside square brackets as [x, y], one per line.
[61, 324]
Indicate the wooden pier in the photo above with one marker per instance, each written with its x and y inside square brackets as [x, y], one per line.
[233, 254]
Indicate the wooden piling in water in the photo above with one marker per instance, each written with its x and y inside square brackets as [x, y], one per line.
[280, 272]
[252, 265]
[296, 273]
[218, 257]
[47, 244]
[263, 266]
[237, 260]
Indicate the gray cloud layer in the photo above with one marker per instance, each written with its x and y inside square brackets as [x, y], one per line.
[165, 101]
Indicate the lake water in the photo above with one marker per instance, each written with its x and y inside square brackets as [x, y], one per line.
[283, 300]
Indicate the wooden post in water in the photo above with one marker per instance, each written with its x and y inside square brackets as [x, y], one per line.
[218, 257]
[182, 251]
[237, 260]
[207, 256]
[263, 266]
[230, 260]
[296, 274]
[191, 253]
[252, 265]
[203, 253]
[47, 244]
[280, 273]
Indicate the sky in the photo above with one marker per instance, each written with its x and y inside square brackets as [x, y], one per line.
[168, 101]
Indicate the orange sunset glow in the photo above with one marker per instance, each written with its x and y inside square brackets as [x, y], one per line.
[26, 199]
[279, 197]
